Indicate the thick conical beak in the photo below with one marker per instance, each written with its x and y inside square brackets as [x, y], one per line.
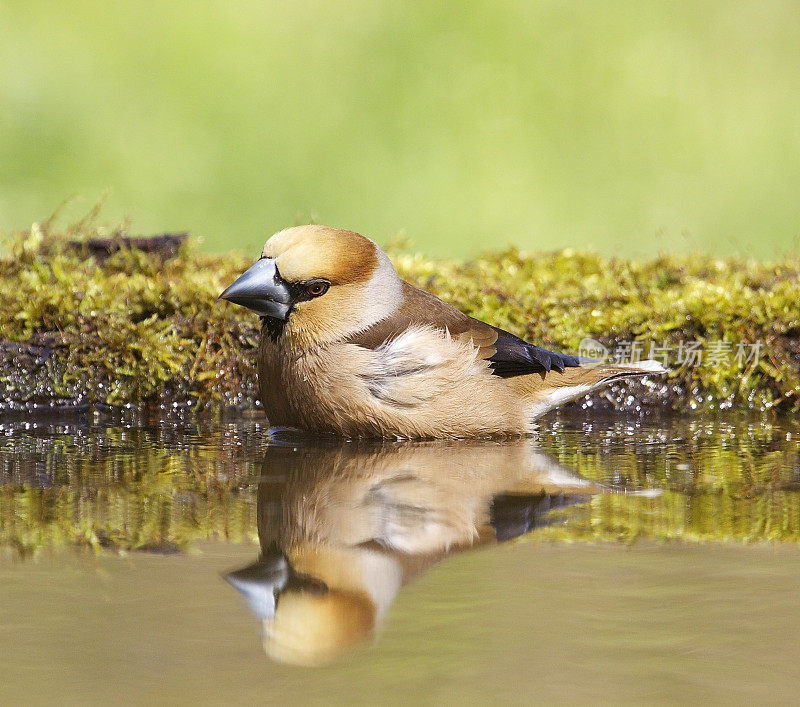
[261, 289]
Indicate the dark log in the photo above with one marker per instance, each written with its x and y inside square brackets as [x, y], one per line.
[166, 245]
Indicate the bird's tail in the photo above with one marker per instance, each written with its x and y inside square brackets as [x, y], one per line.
[550, 390]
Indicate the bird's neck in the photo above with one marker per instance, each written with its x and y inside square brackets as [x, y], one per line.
[272, 327]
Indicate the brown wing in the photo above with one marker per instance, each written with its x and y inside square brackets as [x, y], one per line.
[508, 354]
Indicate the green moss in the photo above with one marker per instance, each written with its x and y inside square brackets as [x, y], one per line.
[140, 329]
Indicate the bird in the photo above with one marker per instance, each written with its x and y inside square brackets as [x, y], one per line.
[344, 525]
[348, 348]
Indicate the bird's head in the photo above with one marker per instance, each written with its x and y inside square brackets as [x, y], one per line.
[318, 601]
[317, 284]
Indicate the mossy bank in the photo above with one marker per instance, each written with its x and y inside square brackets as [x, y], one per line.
[90, 321]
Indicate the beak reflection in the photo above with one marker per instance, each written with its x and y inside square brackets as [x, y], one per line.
[344, 525]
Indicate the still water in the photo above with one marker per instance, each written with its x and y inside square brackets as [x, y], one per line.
[607, 559]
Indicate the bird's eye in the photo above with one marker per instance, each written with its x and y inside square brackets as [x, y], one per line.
[315, 289]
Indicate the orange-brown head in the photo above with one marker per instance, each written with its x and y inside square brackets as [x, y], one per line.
[319, 600]
[317, 284]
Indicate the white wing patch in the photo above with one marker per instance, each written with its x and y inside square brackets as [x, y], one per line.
[417, 366]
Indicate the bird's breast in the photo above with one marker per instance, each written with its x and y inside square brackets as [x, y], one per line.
[422, 383]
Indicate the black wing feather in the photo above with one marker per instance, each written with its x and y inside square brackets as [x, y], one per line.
[515, 357]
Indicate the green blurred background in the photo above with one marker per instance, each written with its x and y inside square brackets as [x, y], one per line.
[629, 127]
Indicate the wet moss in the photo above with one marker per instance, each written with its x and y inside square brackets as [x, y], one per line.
[83, 329]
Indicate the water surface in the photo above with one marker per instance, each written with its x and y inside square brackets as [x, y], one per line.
[433, 570]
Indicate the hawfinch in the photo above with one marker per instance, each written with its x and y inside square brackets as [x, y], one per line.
[349, 348]
[343, 526]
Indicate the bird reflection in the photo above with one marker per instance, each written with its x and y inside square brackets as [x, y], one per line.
[343, 525]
